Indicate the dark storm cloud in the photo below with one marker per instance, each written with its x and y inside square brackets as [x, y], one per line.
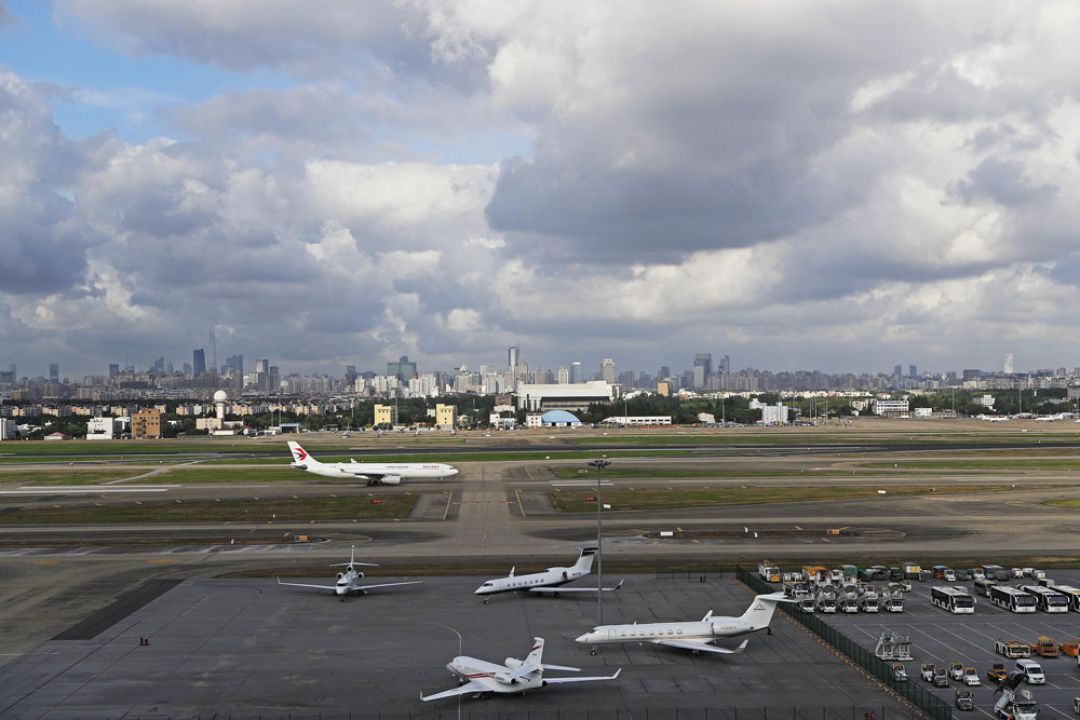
[1004, 182]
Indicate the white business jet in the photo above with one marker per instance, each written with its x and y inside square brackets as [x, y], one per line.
[374, 473]
[695, 636]
[549, 582]
[347, 581]
[513, 676]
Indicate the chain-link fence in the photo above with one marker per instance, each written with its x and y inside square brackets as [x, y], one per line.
[804, 712]
[924, 699]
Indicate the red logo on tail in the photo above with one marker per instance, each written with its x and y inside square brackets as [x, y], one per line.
[301, 456]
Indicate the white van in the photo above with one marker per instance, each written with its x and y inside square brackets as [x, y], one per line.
[1033, 673]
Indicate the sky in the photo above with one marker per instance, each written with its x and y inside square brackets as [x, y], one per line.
[835, 185]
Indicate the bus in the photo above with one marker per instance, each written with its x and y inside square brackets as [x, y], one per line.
[1012, 599]
[1070, 592]
[1046, 599]
[983, 585]
[955, 600]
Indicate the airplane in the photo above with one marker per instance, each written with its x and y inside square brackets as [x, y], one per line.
[347, 581]
[513, 676]
[549, 582]
[695, 636]
[374, 473]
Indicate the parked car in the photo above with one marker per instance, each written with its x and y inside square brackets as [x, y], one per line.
[971, 677]
[964, 700]
[899, 672]
[926, 671]
[956, 671]
[941, 678]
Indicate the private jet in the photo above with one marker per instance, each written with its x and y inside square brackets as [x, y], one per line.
[549, 582]
[695, 636]
[348, 581]
[480, 677]
[374, 473]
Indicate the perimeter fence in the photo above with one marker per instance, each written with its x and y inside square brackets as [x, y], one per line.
[804, 712]
[923, 699]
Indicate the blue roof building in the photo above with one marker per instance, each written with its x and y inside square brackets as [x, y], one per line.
[559, 418]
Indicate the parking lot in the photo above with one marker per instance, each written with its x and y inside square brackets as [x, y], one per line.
[249, 648]
[942, 638]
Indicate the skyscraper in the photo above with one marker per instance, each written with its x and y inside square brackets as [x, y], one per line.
[1007, 364]
[563, 375]
[236, 364]
[913, 371]
[512, 357]
[198, 362]
[403, 370]
[54, 372]
[262, 373]
[702, 369]
[213, 352]
[607, 370]
[577, 375]
[114, 370]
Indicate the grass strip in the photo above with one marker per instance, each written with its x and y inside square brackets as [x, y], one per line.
[574, 501]
[350, 507]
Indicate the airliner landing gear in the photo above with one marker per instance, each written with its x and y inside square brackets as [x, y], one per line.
[593, 650]
[485, 601]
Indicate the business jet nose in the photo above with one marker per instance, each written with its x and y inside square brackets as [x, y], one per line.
[584, 638]
[452, 471]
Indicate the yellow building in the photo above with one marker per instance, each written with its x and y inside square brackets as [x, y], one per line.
[146, 423]
[384, 415]
[445, 416]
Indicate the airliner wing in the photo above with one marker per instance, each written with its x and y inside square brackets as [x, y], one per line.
[558, 681]
[469, 687]
[306, 585]
[563, 589]
[382, 585]
[700, 646]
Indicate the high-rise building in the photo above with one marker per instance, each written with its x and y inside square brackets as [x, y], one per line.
[274, 379]
[403, 370]
[564, 376]
[54, 372]
[725, 364]
[512, 357]
[913, 371]
[235, 363]
[114, 370]
[577, 375]
[898, 371]
[1007, 364]
[702, 369]
[198, 362]
[607, 370]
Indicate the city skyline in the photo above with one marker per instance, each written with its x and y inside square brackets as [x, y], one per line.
[328, 188]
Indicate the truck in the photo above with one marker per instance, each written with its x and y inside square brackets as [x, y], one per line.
[1016, 703]
[1012, 649]
[768, 572]
[997, 673]
[1046, 647]
[964, 699]
[911, 570]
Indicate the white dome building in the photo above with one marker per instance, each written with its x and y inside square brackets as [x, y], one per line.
[220, 398]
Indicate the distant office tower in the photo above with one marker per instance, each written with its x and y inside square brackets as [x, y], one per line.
[54, 372]
[1007, 365]
[7, 377]
[262, 374]
[702, 369]
[350, 376]
[665, 372]
[275, 378]
[564, 376]
[159, 364]
[577, 375]
[913, 371]
[403, 370]
[725, 364]
[213, 352]
[198, 362]
[235, 363]
[512, 357]
[187, 370]
[898, 371]
[607, 370]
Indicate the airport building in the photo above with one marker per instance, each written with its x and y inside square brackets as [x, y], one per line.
[385, 415]
[106, 428]
[571, 396]
[146, 424]
[445, 417]
[8, 429]
[559, 418]
[627, 420]
[891, 407]
[774, 414]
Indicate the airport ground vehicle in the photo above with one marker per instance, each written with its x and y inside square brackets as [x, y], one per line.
[970, 677]
[1012, 649]
[953, 599]
[768, 572]
[869, 604]
[956, 670]
[895, 603]
[1046, 599]
[826, 603]
[1033, 672]
[983, 585]
[1012, 599]
[926, 671]
[1046, 647]
[1071, 648]
[1076, 705]
[899, 672]
[964, 700]
[941, 678]
[1072, 593]
[996, 673]
[1016, 703]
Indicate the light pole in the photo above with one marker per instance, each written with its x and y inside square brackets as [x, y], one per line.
[599, 465]
[447, 627]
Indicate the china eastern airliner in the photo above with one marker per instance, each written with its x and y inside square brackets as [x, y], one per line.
[374, 473]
